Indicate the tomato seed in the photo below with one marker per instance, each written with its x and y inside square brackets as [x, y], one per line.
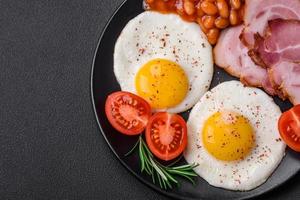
[129, 126]
[134, 123]
[177, 125]
[134, 102]
[155, 125]
[120, 100]
[160, 122]
[130, 101]
[115, 109]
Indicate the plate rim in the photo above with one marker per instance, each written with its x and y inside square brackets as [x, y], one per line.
[152, 186]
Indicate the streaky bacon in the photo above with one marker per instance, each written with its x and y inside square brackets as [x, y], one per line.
[285, 76]
[231, 55]
[279, 52]
[281, 42]
[259, 12]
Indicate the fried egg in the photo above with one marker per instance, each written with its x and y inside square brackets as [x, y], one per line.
[232, 134]
[165, 60]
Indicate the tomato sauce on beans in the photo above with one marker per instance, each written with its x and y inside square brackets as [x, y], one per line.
[211, 15]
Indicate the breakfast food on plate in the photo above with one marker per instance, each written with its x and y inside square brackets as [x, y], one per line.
[127, 113]
[233, 136]
[289, 127]
[165, 60]
[166, 135]
[231, 54]
[163, 63]
[279, 52]
[211, 15]
[270, 36]
[259, 12]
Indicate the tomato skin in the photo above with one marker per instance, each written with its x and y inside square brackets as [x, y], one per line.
[122, 111]
[166, 134]
[289, 127]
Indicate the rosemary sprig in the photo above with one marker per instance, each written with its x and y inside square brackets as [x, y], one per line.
[165, 176]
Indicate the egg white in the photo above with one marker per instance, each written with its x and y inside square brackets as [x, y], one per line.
[263, 115]
[152, 35]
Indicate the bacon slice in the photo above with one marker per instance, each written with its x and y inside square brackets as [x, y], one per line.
[286, 77]
[259, 12]
[280, 43]
[279, 52]
[232, 55]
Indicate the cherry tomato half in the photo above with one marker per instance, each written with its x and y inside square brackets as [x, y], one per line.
[127, 112]
[289, 127]
[166, 135]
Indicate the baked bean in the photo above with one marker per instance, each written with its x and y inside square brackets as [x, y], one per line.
[223, 8]
[211, 15]
[208, 21]
[235, 4]
[213, 35]
[233, 17]
[199, 21]
[200, 12]
[189, 7]
[209, 8]
[221, 22]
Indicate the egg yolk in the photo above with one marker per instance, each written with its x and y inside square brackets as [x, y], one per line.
[162, 83]
[228, 136]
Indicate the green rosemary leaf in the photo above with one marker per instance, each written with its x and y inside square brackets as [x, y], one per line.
[147, 170]
[158, 170]
[189, 178]
[159, 179]
[164, 184]
[141, 157]
[187, 166]
[146, 162]
[167, 174]
[163, 174]
[153, 177]
[133, 148]
[146, 148]
[187, 173]
[170, 177]
[168, 184]
[176, 161]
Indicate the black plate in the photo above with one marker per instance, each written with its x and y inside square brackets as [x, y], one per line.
[103, 82]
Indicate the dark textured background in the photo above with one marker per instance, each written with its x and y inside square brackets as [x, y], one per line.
[50, 145]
